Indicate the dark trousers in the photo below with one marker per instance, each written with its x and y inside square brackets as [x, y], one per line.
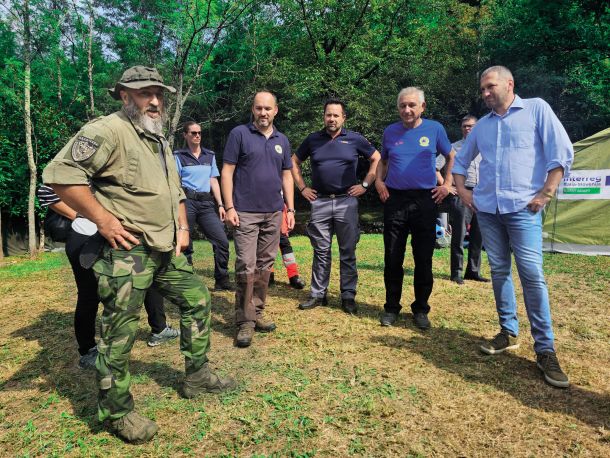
[409, 212]
[285, 246]
[87, 301]
[458, 216]
[204, 214]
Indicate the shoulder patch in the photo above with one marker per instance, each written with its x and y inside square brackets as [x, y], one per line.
[83, 148]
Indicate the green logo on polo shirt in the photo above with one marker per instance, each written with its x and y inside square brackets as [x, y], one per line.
[278, 149]
[424, 141]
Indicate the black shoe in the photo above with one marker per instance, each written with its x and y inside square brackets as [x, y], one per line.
[475, 277]
[457, 279]
[312, 302]
[388, 318]
[548, 363]
[421, 320]
[223, 285]
[296, 282]
[349, 306]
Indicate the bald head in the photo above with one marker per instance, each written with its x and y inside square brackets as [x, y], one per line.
[264, 109]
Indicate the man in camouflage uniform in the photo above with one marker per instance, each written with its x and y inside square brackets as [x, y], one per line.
[139, 209]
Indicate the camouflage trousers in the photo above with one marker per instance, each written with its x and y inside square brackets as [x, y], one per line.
[123, 278]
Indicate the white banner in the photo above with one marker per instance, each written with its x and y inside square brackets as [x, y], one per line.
[585, 185]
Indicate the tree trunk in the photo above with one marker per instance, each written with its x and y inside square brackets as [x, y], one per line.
[1, 238]
[90, 64]
[28, 129]
[178, 110]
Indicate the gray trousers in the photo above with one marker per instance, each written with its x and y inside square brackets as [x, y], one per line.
[257, 240]
[330, 216]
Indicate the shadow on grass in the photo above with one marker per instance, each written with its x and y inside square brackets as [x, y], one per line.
[54, 368]
[457, 352]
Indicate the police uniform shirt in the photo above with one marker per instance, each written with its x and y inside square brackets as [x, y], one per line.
[334, 160]
[195, 173]
[260, 162]
[123, 165]
[411, 154]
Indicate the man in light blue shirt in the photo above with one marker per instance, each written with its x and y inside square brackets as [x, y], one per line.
[525, 153]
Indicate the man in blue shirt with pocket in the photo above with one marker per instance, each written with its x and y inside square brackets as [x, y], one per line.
[199, 176]
[525, 153]
[406, 184]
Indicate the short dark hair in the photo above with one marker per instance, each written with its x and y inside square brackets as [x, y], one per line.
[468, 117]
[335, 101]
[187, 126]
[262, 91]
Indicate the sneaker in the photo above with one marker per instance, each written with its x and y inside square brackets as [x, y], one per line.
[388, 318]
[296, 282]
[166, 335]
[548, 363]
[206, 381]
[244, 336]
[421, 320]
[264, 325]
[502, 342]
[87, 361]
[134, 428]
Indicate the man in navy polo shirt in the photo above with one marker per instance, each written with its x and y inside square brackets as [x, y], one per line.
[199, 175]
[406, 183]
[256, 169]
[334, 196]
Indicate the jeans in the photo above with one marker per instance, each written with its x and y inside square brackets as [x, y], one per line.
[522, 232]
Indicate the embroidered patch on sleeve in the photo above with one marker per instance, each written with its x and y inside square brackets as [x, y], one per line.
[83, 148]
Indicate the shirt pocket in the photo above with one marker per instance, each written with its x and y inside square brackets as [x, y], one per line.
[142, 174]
[519, 138]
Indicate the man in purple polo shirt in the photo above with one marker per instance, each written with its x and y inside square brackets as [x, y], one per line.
[406, 183]
[333, 195]
[256, 169]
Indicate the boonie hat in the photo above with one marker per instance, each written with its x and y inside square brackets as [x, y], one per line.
[138, 77]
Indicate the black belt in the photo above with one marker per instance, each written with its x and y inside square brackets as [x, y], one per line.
[201, 196]
[332, 196]
[470, 188]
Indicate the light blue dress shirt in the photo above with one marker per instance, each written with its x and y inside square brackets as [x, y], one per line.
[517, 150]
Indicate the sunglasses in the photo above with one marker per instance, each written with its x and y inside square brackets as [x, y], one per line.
[195, 134]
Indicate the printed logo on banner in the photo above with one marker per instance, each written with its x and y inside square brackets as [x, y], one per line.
[585, 184]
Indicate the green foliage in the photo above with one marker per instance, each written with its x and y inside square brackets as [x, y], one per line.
[219, 52]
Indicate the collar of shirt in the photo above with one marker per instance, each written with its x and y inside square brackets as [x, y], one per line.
[254, 129]
[323, 133]
[187, 152]
[517, 103]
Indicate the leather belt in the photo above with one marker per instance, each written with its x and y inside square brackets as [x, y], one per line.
[201, 196]
[332, 196]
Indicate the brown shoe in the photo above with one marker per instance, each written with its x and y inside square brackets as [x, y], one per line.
[264, 325]
[206, 381]
[244, 336]
[134, 428]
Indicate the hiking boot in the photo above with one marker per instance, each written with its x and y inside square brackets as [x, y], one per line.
[296, 282]
[502, 342]
[421, 320]
[244, 336]
[264, 325]
[388, 318]
[312, 302]
[134, 428]
[166, 335]
[349, 306]
[87, 361]
[548, 363]
[223, 285]
[206, 381]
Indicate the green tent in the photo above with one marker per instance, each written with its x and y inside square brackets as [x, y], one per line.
[577, 220]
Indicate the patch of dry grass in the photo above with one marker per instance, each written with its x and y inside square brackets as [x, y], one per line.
[324, 384]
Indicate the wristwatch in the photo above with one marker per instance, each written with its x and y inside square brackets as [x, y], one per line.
[290, 210]
[365, 185]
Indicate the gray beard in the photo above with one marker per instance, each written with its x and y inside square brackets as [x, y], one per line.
[142, 120]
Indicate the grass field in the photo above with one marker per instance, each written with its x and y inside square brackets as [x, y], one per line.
[324, 384]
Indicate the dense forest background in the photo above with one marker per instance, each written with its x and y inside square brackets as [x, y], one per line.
[60, 56]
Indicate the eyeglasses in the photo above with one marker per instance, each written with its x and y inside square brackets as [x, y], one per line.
[195, 134]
